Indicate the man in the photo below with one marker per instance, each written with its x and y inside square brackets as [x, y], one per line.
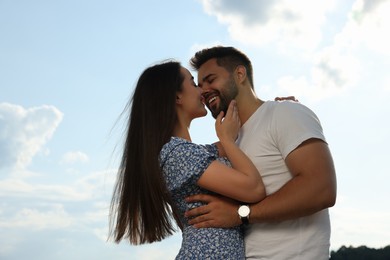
[286, 143]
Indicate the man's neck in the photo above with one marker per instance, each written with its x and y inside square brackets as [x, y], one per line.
[247, 106]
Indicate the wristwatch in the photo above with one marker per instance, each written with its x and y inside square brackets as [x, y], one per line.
[243, 213]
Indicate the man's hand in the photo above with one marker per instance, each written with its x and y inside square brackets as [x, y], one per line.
[218, 212]
[291, 98]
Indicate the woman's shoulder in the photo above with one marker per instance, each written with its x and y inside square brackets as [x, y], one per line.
[176, 140]
[179, 147]
[175, 144]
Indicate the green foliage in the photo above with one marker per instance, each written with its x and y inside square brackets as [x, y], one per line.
[361, 253]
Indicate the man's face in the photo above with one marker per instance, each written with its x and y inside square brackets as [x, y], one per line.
[218, 87]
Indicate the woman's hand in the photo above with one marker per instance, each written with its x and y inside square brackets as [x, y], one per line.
[227, 127]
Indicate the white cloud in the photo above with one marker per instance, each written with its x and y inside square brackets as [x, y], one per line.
[20, 188]
[356, 227]
[338, 67]
[300, 23]
[24, 132]
[92, 186]
[166, 249]
[101, 233]
[10, 243]
[47, 206]
[333, 71]
[197, 47]
[100, 212]
[288, 23]
[370, 23]
[74, 157]
[386, 86]
[52, 218]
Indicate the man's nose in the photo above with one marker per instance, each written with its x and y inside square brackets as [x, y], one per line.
[204, 91]
[204, 88]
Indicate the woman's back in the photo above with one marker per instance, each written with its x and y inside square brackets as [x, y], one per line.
[183, 163]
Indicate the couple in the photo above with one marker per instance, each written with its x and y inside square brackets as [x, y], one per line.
[270, 178]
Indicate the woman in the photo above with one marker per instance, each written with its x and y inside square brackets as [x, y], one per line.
[161, 166]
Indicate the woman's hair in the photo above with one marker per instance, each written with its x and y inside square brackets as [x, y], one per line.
[226, 57]
[141, 208]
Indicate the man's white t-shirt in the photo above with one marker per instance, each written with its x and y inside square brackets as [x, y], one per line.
[269, 135]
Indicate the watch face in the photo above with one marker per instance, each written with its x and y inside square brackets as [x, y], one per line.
[244, 211]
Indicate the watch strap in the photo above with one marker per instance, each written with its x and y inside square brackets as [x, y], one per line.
[244, 220]
[244, 216]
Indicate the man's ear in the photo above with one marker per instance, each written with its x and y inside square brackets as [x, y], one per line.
[240, 73]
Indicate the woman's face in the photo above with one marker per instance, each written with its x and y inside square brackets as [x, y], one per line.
[190, 97]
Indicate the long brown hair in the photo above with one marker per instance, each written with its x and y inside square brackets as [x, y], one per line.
[141, 208]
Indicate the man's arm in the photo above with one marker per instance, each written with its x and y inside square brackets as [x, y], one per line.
[312, 188]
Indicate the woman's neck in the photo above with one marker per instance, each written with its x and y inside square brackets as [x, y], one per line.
[182, 132]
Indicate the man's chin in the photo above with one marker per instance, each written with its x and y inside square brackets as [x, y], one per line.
[213, 111]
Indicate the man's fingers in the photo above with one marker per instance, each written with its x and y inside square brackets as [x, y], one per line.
[231, 108]
[202, 221]
[205, 224]
[286, 98]
[196, 211]
[199, 198]
[198, 219]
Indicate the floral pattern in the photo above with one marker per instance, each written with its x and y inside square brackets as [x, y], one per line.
[183, 163]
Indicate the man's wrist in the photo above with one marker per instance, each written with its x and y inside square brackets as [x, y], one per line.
[243, 213]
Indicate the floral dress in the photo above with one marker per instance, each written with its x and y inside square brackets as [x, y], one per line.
[183, 163]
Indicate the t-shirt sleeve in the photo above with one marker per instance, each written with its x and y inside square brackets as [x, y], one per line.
[185, 164]
[293, 124]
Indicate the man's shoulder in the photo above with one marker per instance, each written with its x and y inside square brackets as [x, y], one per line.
[285, 104]
[287, 107]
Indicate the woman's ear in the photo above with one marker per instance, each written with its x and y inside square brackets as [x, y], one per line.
[178, 99]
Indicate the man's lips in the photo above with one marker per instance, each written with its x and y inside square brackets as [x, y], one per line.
[210, 98]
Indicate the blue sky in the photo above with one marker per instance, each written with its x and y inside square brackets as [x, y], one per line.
[68, 68]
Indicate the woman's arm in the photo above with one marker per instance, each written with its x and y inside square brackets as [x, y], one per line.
[221, 150]
[242, 182]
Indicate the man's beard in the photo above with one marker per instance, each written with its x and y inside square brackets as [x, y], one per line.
[228, 93]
